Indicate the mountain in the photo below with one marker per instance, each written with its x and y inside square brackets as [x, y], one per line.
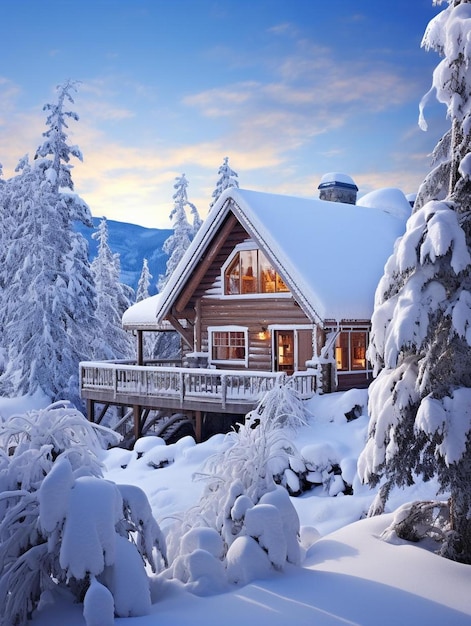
[133, 243]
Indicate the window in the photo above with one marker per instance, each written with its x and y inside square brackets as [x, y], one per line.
[251, 272]
[228, 344]
[350, 350]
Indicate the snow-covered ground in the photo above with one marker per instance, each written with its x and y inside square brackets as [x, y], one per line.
[347, 576]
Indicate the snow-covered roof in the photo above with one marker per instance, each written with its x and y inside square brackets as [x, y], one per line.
[337, 179]
[142, 315]
[390, 199]
[331, 255]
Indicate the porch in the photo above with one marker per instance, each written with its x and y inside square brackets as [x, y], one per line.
[196, 390]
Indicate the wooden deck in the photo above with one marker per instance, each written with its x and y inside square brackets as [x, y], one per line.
[180, 388]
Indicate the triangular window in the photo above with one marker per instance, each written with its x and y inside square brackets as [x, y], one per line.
[249, 271]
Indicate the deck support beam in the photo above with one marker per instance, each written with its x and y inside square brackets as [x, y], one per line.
[90, 410]
[198, 426]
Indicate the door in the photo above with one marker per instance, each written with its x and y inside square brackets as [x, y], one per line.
[291, 349]
[284, 351]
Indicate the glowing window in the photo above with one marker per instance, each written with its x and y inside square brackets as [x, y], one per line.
[350, 350]
[251, 272]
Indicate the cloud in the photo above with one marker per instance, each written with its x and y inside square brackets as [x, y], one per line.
[9, 93]
[223, 102]
[309, 94]
[285, 28]
[270, 121]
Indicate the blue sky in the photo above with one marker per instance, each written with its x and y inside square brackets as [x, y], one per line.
[287, 89]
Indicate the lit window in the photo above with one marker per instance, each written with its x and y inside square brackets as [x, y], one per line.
[228, 345]
[350, 350]
[251, 272]
[232, 278]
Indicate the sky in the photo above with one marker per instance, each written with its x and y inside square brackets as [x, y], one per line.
[287, 89]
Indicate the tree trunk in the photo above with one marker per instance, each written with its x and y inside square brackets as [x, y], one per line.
[459, 547]
[456, 156]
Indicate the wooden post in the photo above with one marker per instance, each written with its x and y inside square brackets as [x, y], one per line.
[136, 411]
[198, 426]
[140, 348]
[90, 410]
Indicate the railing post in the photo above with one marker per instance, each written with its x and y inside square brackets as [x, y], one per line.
[182, 386]
[223, 390]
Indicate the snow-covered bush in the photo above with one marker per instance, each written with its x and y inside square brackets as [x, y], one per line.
[64, 525]
[323, 465]
[251, 521]
[418, 521]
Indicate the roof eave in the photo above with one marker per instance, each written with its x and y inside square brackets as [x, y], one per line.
[191, 257]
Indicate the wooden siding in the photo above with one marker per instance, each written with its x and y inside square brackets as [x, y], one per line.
[207, 304]
[210, 282]
[253, 313]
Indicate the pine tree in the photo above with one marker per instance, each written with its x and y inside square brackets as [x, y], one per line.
[4, 227]
[144, 282]
[48, 317]
[183, 233]
[447, 34]
[227, 178]
[420, 402]
[113, 298]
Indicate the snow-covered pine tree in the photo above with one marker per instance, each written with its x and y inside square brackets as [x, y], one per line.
[183, 233]
[4, 245]
[227, 178]
[113, 298]
[167, 344]
[144, 282]
[420, 402]
[446, 34]
[49, 316]
[4, 228]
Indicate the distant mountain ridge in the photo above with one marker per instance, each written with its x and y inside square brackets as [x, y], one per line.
[133, 243]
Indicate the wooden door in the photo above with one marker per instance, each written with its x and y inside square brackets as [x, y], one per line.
[284, 351]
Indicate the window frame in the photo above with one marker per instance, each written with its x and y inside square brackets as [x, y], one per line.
[228, 329]
[350, 331]
[250, 246]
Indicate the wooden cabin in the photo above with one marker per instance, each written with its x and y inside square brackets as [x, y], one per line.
[272, 288]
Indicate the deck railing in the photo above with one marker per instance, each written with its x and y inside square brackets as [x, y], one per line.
[218, 386]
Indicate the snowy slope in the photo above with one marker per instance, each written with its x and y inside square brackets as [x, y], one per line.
[348, 576]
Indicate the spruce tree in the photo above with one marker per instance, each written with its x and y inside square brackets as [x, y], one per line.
[113, 298]
[48, 318]
[227, 178]
[144, 282]
[183, 232]
[420, 402]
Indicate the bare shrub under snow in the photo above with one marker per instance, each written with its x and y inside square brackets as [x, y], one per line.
[244, 525]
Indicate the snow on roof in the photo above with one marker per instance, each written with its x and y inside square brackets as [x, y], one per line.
[389, 199]
[330, 254]
[333, 178]
[142, 315]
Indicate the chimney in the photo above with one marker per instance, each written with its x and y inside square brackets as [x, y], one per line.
[335, 187]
